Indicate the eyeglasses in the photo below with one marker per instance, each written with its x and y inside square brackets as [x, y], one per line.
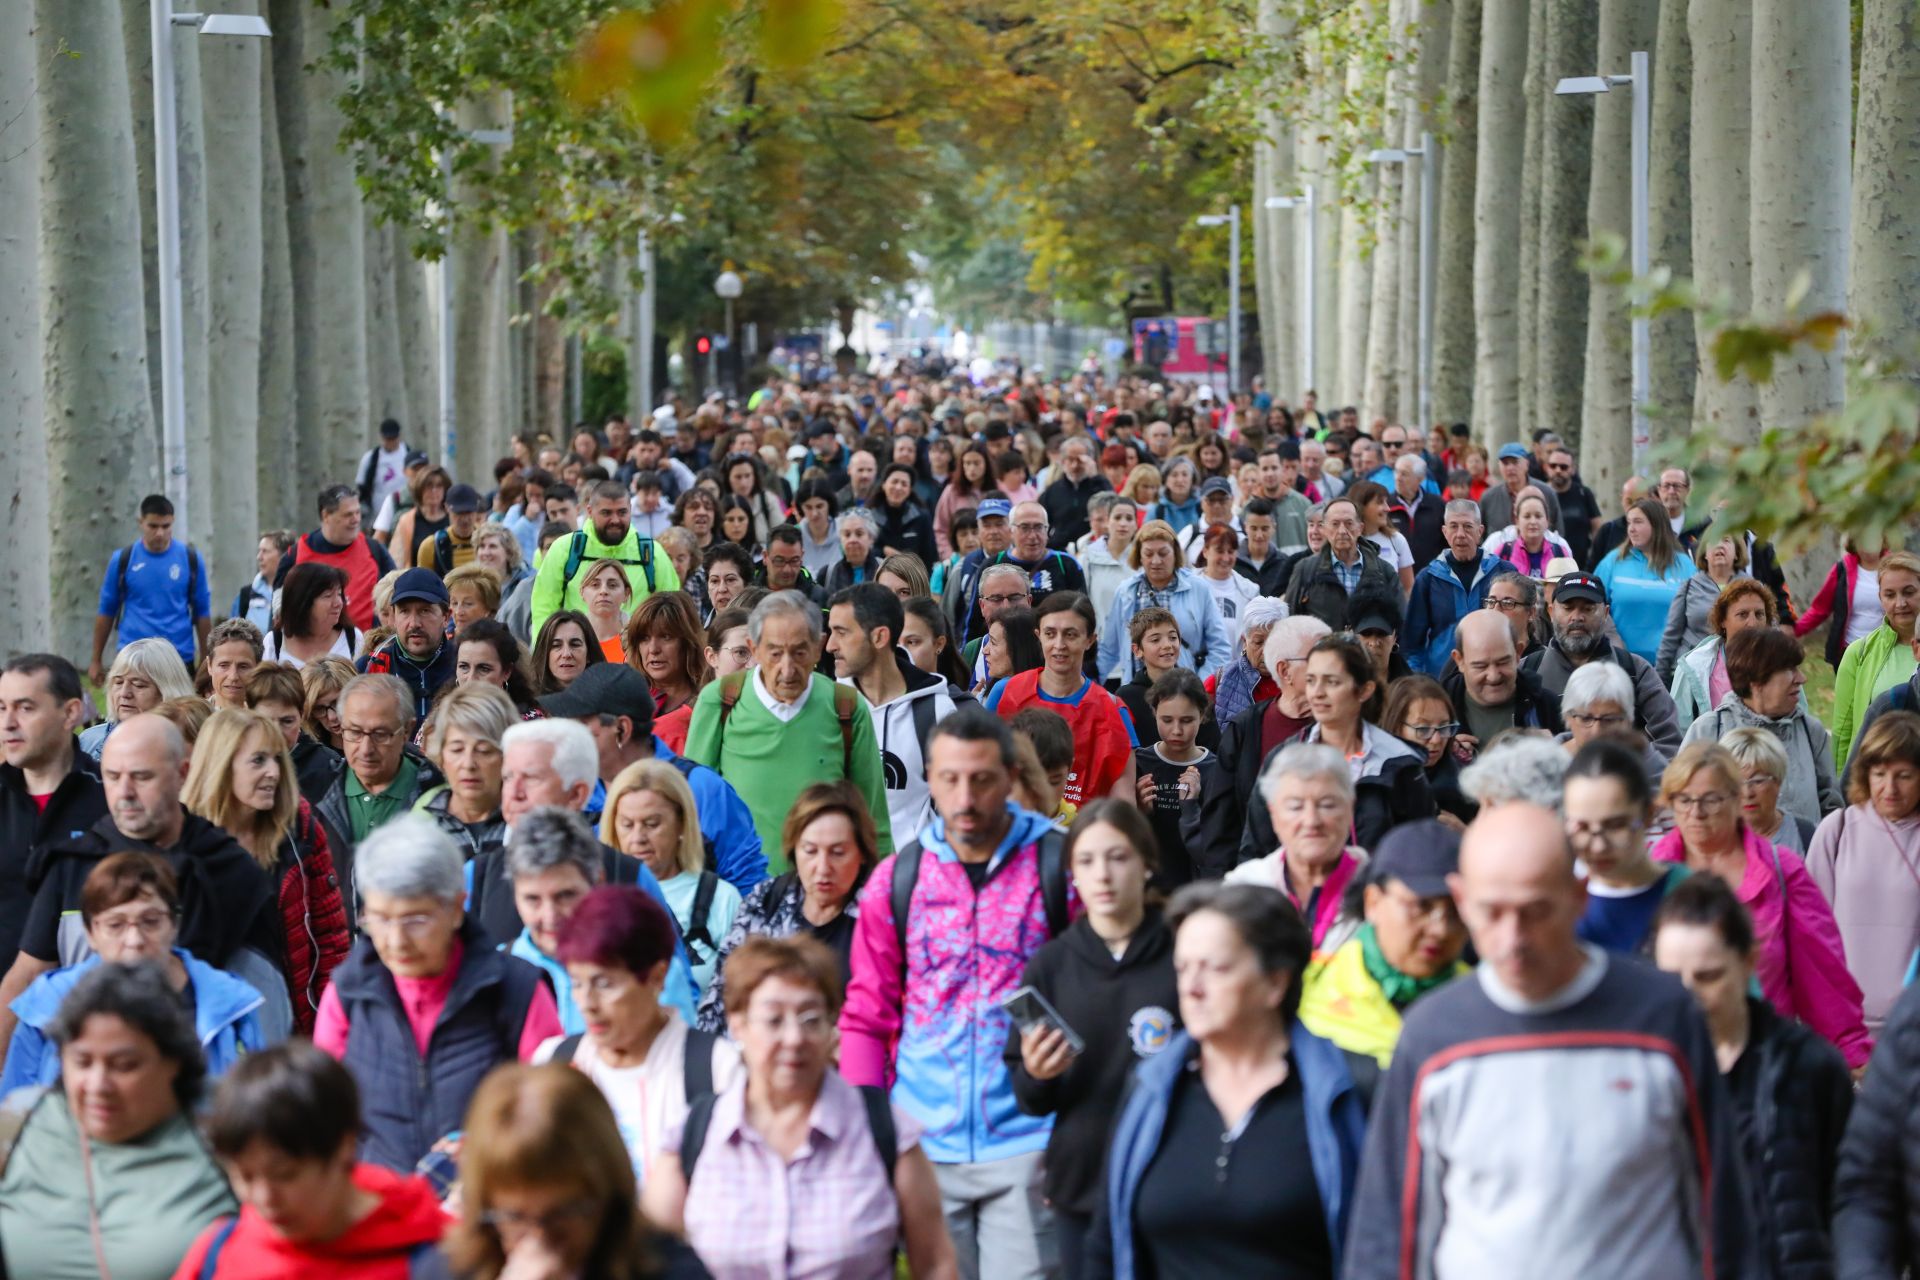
[149, 923]
[812, 1023]
[379, 737]
[1609, 830]
[411, 926]
[548, 1222]
[1440, 911]
[1712, 802]
[1005, 600]
[1428, 732]
[1031, 526]
[1596, 722]
[1505, 606]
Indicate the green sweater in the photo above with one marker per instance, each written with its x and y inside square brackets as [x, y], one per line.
[155, 1196]
[770, 763]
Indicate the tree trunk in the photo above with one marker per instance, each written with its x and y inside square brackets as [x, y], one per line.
[549, 345]
[386, 378]
[26, 588]
[1674, 362]
[1721, 34]
[1263, 267]
[1534, 89]
[196, 289]
[1566, 142]
[419, 336]
[327, 240]
[1453, 240]
[1802, 181]
[1606, 432]
[1356, 277]
[1433, 19]
[228, 508]
[1380, 397]
[284, 460]
[481, 383]
[99, 415]
[1280, 314]
[1886, 207]
[1497, 204]
[137, 39]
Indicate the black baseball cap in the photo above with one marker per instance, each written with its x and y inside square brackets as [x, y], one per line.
[420, 584]
[1374, 620]
[604, 689]
[1580, 586]
[1420, 855]
[1215, 484]
[416, 459]
[463, 499]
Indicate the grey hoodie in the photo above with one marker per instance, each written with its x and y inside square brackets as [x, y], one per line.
[1810, 790]
[1687, 620]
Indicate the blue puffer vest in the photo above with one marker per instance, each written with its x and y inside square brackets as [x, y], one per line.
[410, 1102]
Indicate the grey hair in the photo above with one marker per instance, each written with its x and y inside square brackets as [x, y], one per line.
[158, 661]
[575, 756]
[1597, 682]
[1523, 767]
[1753, 748]
[140, 996]
[392, 687]
[1002, 569]
[509, 542]
[1306, 760]
[1262, 611]
[784, 604]
[550, 838]
[483, 710]
[1291, 638]
[409, 857]
[1318, 510]
[1529, 589]
[1463, 507]
[1101, 503]
[858, 515]
[1414, 461]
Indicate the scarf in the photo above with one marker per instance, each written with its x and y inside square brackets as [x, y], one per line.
[1233, 692]
[1399, 989]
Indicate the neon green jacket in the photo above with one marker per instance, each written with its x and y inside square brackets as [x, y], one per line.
[554, 589]
[1853, 686]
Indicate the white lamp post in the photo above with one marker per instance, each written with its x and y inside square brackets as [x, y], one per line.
[1231, 218]
[729, 286]
[449, 425]
[1639, 80]
[1416, 158]
[166, 181]
[1305, 204]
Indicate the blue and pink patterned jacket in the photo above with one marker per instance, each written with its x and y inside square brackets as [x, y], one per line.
[933, 1028]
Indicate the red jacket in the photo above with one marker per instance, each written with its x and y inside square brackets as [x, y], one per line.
[381, 1246]
[312, 915]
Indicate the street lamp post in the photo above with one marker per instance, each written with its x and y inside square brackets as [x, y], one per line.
[729, 286]
[1305, 204]
[1232, 220]
[1417, 160]
[166, 183]
[449, 425]
[1639, 80]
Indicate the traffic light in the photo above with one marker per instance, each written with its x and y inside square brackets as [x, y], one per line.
[703, 344]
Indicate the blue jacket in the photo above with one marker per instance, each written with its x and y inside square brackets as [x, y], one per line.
[1639, 598]
[224, 1017]
[732, 840]
[1204, 646]
[524, 948]
[1181, 515]
[1336, 1131]
[1435, 606]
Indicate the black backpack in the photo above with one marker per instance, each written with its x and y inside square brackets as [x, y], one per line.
[120, 578]
[1053, 885]
[696, 1066]
[577, 551]
[886, 1140]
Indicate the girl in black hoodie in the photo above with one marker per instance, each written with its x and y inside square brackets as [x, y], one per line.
[1110, 977]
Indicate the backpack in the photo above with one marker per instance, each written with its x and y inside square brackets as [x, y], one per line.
[701, 915]
[120, 578]
[923, 726]
[1053, 885]
[443, 556]
[577, 551]
[846, 701]
[886, 1140]
[696, 1065]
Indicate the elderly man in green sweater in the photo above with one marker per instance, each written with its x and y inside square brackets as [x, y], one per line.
[775, 729]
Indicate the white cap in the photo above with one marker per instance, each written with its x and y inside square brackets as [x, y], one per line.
[664, 412]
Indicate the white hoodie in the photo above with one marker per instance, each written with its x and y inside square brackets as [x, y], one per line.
[902, 758]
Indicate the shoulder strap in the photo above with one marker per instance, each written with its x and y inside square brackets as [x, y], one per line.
[1053, 881]
[443, 552]
[576, 552]
[923, 726]
[697, 1066]
[210, 1264]
[730, 687]
[694, 1135]
[120, 580]
[697, 919]
[906, 874]
[845, 703]
[886, 1139]
[193, 578]
[646, 562]
[564, 1052]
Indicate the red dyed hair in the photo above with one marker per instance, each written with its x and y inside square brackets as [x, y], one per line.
[617, 925]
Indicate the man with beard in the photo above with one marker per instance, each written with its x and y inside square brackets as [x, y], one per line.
[609, 535]
[863, 628]
[1582, 624]
[1066, 498]
[420, 653]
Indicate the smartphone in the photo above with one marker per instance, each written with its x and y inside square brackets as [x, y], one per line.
[1028, 1009]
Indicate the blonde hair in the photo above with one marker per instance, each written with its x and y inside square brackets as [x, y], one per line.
[482, 709]
[1692, 759]
[209, 789]
[665, 781]
[1156, 531]
[1142, 474]
[480, 578]
[157, 661]
[605, 562]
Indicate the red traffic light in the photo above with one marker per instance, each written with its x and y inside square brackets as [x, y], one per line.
[703, 344]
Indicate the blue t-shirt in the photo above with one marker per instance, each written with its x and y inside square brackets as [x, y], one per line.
[156, 602]
[1621, 922]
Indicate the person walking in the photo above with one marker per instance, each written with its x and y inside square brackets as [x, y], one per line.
[608, 533]
[339, 542]
[153, 586]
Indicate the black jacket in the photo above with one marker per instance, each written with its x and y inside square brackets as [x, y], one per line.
[1534, 707]
[907, 528]
[1125, 1010]
[1200, 835]
[1876, 1190]
[1443, 780]
[1422, 528]
[1764, 565]
[1066, 504]
[315, 766]
[1792, 1093]
[1270, 576]
[1381, 801]
[490, 904]
[77, 803]
[424, 679]
[1578, 507]
[840, 574]
[1611, 535]
[1315, 589]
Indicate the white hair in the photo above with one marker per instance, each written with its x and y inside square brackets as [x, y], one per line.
[1525, 767]
[1263, 611]
[1597, 682]
[784, 604]
[409, 857]
[858, 515]
[159, 662]
[1306, 760]
[1413, 462]
[575, 757]
[1291, 638]
[1464, 507]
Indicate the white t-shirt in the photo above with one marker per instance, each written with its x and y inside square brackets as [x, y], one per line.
[1393, 548]
[651, 1098]
[342, 648]
[1863, 611]
[1231, 596]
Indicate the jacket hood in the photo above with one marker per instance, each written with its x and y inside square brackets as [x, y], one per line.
[1151, 944]
[219, 998]
[1027, 827]
[1746, 717]
[920, 684]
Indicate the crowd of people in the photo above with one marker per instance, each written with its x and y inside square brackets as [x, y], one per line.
[1015, 828]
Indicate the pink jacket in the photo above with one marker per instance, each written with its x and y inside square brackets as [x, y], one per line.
[1799, 959]
[952, 503]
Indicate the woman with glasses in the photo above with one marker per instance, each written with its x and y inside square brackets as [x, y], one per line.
[1763, 770]
[746, 1177]
[1418, 711]
[1801, 961]
[1763, 667]
[1700, 674]
[130, 905]
[1598, 703]
[321, 683]
[1608, 804]
[1516, 597]
[424, 1007]
[1162, 580]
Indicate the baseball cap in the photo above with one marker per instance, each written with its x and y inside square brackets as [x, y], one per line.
[1215, 484]
[1580, 586]
[416, 459]
[604, 689]
[463, 499]
[1373, 620]
[1420, 855]
[995, 507]
[420, 584]
[1513, 451]
[819, 427]
[390, 429]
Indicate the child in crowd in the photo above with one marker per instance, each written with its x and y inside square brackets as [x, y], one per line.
[1184, 791]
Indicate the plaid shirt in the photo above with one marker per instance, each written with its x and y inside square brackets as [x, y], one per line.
[829, 1214]
[1349, 574]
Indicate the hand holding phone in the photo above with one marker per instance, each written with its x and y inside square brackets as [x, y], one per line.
[1029, 1009]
